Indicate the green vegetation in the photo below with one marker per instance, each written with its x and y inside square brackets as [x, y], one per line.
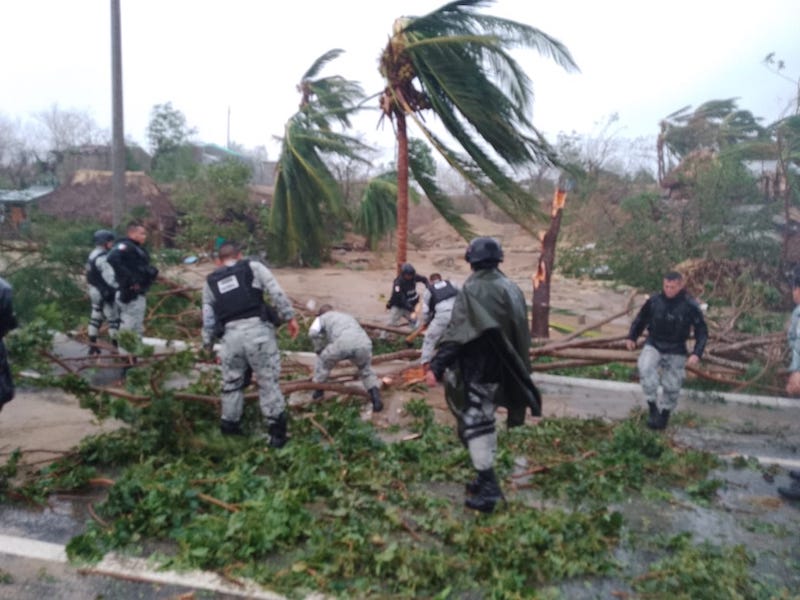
[340, 511]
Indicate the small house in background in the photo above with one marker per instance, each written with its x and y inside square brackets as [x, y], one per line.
[87, 196]
[98, 158]
[15, 208]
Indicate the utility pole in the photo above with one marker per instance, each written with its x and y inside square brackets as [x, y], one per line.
[118, 208]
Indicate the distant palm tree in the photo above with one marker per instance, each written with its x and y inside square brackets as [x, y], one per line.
[715, 126]
[377, 213]
[307, 197]
[456, 63]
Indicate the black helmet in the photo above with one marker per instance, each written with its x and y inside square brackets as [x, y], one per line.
[103, 236]
[484, 249]
[407, 269]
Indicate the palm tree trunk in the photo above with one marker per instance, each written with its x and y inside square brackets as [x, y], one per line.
[402, 190]
[540, 317]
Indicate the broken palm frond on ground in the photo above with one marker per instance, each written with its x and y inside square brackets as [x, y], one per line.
[341, 512]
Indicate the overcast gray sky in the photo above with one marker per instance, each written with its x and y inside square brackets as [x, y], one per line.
[638, 58]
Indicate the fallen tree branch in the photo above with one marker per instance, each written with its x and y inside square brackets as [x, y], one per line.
[216, 502]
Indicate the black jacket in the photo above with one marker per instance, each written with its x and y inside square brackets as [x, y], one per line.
[669, 322]
[132, 268]
[404, 292]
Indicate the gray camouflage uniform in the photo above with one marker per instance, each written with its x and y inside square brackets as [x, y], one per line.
[436, 321]
[102, 309]
[250, 342]
[336, 337]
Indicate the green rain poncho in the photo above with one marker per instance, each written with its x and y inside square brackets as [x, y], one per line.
[490, 316]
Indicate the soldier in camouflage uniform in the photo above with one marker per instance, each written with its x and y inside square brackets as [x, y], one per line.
[404, 298]
[669, 317]
[337, 336]
[234, 309]
[102, 289]
[437, 306]
[133, 276]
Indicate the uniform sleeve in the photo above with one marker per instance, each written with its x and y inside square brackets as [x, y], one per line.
[396, 298]
[317, 335]
[122, 275]
[209, 317]
[426, 308]
[700, 332]
[267, 282]
[641, 321]
[106, 271]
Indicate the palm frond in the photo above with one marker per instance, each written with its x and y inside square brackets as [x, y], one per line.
[307, 206]
[441, 202]
[377, 213]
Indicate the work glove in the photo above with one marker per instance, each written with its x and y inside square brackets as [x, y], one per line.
[126, 295]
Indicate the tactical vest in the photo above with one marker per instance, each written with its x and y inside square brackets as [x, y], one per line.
[95, 278]
[409, 292]
[234, 294]
[441, 290]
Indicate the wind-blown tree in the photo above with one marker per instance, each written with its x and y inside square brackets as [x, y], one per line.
[455, 62]
[306, 192]
[715, 126]
[377, 213]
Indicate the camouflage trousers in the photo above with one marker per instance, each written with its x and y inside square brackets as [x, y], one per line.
[131, 314]
[360, 356]
[102, 311]
[398, 316]
[250, 343]
[432, 335]
[476, 422]
[666, 369]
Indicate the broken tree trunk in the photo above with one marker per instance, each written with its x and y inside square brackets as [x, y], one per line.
[540, 316]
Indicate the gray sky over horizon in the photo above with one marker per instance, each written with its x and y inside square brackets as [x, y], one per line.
[641, 60]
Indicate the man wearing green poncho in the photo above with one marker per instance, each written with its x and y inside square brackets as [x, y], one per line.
[483, 358]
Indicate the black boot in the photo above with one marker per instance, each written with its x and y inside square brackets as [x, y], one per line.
[93, 348]
[488, 493]
[663, 419]
[375, 396]
[653, 417]
[277, 431]
[792, 492]
[473, 487]
[230, 427]
[317, 395]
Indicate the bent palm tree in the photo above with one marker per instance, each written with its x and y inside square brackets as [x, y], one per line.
[455, 62]
[306, 191]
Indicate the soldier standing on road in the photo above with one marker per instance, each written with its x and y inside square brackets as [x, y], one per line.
[8, 321]
[133, 275]
[404, 298]
[101, 279]
[437, 306]
[483, 356]
[234, 309]
[337, 336]
[669, 317]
